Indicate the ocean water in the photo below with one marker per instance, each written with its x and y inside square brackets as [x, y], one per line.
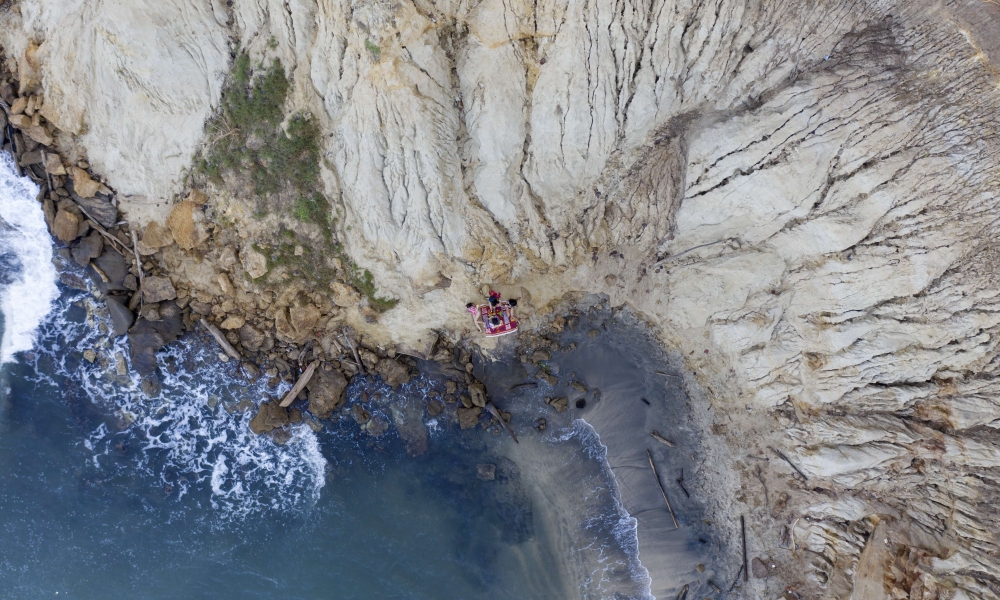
[106, 493]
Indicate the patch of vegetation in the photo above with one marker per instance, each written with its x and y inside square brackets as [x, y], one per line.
[374, 49]
[246, 138]
[362, 281]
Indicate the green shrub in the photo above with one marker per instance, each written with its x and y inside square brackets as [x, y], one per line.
[246, 136]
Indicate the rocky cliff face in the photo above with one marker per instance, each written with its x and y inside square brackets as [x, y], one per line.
[801, 196]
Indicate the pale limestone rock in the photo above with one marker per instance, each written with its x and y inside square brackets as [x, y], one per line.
[187, 225]
[254, 263]
[82, 183]
[344, 295]
[233, 322]
[53, 165]
[157, 289]
[807, 191]
[66, 226]
[154, 237]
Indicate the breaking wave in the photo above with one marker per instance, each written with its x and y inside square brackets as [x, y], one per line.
[608, 520]
[192, 439]
[27, 277]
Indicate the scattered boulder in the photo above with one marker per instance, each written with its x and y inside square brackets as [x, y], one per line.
[121, 317]
[83, 184]
[296, 324]
[66, 226]
[97, 208]
[254, 263]
[233, 322]
[392, 372]
[157, 289]
[468, 417]
[187, 223]
[31, 158]
[327, 392]
[759, 568]
[549, 378]
[434, 408]
[114, 267]
[541, 424]
[155, 236]
[560, 404]
[146, 337]
[377, 426]
[250, 337]
[88, 249]
[53, 164]
[580, 387]
[344, 295]
[89, 355]
[361, 416]
[303, 318]
[477, 393]
[486, 472]
[271, 416]
[40, 134]
[593, 333]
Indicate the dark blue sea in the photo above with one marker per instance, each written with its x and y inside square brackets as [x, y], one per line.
[107, 493]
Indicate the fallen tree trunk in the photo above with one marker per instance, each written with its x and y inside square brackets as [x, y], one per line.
[300, 384]
[493, 411]
[221, 339]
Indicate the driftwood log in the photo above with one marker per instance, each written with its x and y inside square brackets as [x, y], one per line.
[493, 411]
[221, 339]
[656, 436]
[300, 384]
[656, 476]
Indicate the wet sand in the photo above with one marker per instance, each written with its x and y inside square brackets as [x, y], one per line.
[624, 367]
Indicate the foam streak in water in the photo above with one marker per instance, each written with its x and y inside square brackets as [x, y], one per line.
[28, 281]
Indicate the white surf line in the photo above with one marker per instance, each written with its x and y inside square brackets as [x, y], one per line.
[31, 291]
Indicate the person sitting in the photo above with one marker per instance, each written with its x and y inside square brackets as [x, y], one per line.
[512, 303]
[476, 317]
[494, 324]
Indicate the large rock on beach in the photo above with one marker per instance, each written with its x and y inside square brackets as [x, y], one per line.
[477, 394]
[469, 417]
[83, 184]
[157, 289]
[88, 248]
[254, 263]
[296, 324]
[147, 337]
[251, 338]
[154, 237]
[271, 416]
[187, 223]
[114, 267]
[327, 392]
[121, 317]
[100, 209]
[66, 226]
[392, 372]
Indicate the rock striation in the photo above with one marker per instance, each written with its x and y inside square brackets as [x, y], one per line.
[800, 196]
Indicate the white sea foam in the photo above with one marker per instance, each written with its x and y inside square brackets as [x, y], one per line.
[27, 276]
[184, 439]
[617, 522]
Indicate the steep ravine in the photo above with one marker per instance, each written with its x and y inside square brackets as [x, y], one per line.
[801, 197]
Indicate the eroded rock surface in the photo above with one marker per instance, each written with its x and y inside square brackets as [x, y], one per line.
[801, 196]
